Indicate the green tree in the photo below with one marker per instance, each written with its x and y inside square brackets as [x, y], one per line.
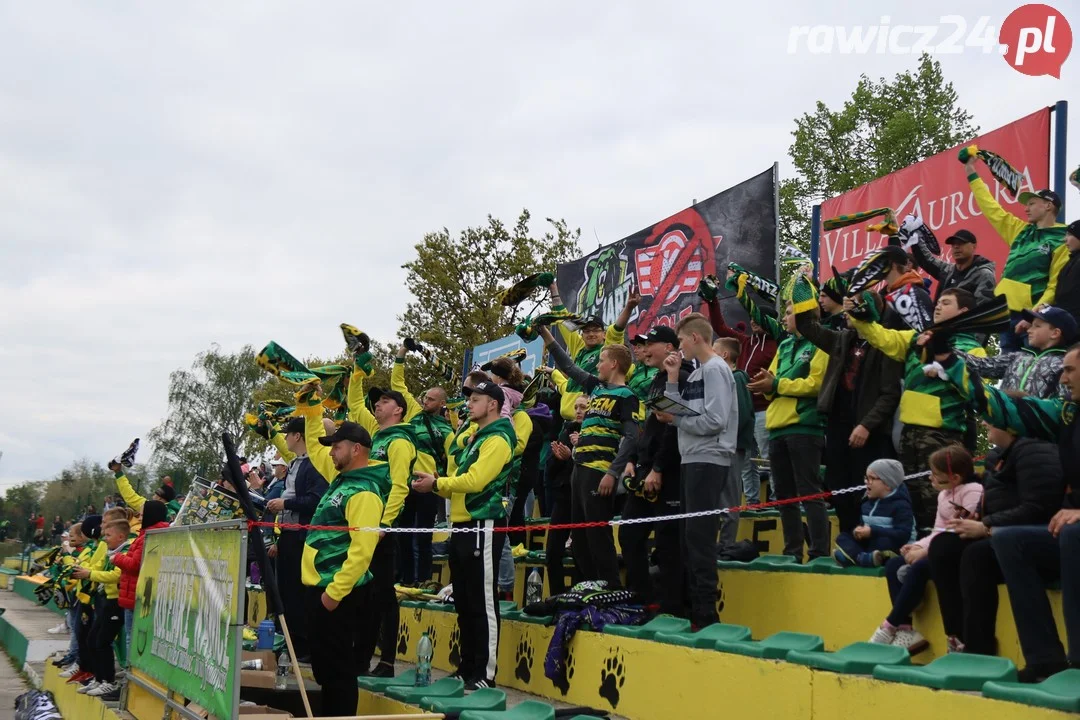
[204, 401]
[884, 126]
[19, 501]
[454, 281]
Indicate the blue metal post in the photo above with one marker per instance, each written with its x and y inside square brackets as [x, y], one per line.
[1061, 125]
[815, 239]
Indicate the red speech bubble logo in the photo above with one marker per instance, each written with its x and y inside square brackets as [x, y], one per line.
[1037, 40]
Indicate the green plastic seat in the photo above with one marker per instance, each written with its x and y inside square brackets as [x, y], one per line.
[524, 617]
[447, 687]
[507, 606]
[707, 637]
[483, 699]
[1059, 692]
[819, 566]
[856, 570]
[955, 671]
[414, 603]
[378, 684]
[772, 562]
[732, 565]
[659, 624]
[774, 647]
[527, 710]
[858, 658]
[439, 606]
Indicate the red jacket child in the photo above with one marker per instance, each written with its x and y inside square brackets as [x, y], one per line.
[153, 517]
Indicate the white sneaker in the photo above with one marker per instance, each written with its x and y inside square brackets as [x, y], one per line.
[103, 688]
[884, 635]
[70, 671]
[911, 640]
[88, 687]
[60, 629]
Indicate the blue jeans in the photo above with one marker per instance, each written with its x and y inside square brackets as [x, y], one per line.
[906, 595]
[73, 628]
[129, 620]
[1030, 557]
[751, 476]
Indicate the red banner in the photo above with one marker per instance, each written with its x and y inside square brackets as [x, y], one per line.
[937, 190]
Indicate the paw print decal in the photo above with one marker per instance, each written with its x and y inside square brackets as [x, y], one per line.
[563, 682]
[403, 638]
[455, 646]
[524, 661]
[612, 678]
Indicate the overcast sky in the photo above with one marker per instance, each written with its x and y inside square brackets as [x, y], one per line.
[179, 174]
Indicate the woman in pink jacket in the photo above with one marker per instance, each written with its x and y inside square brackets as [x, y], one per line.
[952, 472]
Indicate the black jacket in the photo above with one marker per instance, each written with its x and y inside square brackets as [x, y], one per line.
[1023, 484]
[559, 471]
[310, 486]
[878, 390]
[1068, 287]
[658, 445]
[980, 277]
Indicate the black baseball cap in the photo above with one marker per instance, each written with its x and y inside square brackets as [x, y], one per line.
[377, 394]
[295, 425]
[662, 334]
[639, 340]
[353, 432]
[1074, 229]
[960, 237]
[486, 388]
[1058, 317]
[592, 321]
[1048, 195]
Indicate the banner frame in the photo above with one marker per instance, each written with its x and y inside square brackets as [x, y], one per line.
[236, 622]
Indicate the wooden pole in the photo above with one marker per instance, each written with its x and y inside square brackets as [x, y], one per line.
[295, 665]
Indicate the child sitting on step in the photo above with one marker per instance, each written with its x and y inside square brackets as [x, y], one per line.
[952, 473]
[888, 522]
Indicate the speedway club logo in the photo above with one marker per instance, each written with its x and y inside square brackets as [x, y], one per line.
[671, 264]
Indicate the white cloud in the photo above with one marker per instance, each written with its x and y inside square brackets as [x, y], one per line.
[177, 175]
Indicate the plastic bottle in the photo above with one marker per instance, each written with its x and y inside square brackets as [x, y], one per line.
[424, 651]
[284, 667]
[534, 588]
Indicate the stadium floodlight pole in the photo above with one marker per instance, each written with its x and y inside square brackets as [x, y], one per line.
[239, 483]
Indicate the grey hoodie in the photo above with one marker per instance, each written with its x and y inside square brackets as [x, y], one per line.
[710, 436]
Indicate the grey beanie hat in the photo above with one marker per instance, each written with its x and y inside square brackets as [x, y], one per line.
[891, 472]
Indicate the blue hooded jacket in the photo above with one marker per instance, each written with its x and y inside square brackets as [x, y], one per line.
[891, 517]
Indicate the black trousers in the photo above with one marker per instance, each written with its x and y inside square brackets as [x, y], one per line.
[108, 621]
[86, 622]
[795, 462]
[634, 540]
[555, 547]
[593, 548]
[332, 659]
[966, 575]
[414, 549]
[379, 625]
[290, 554]
[474, 571]
[845, 467]
[702, 488]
